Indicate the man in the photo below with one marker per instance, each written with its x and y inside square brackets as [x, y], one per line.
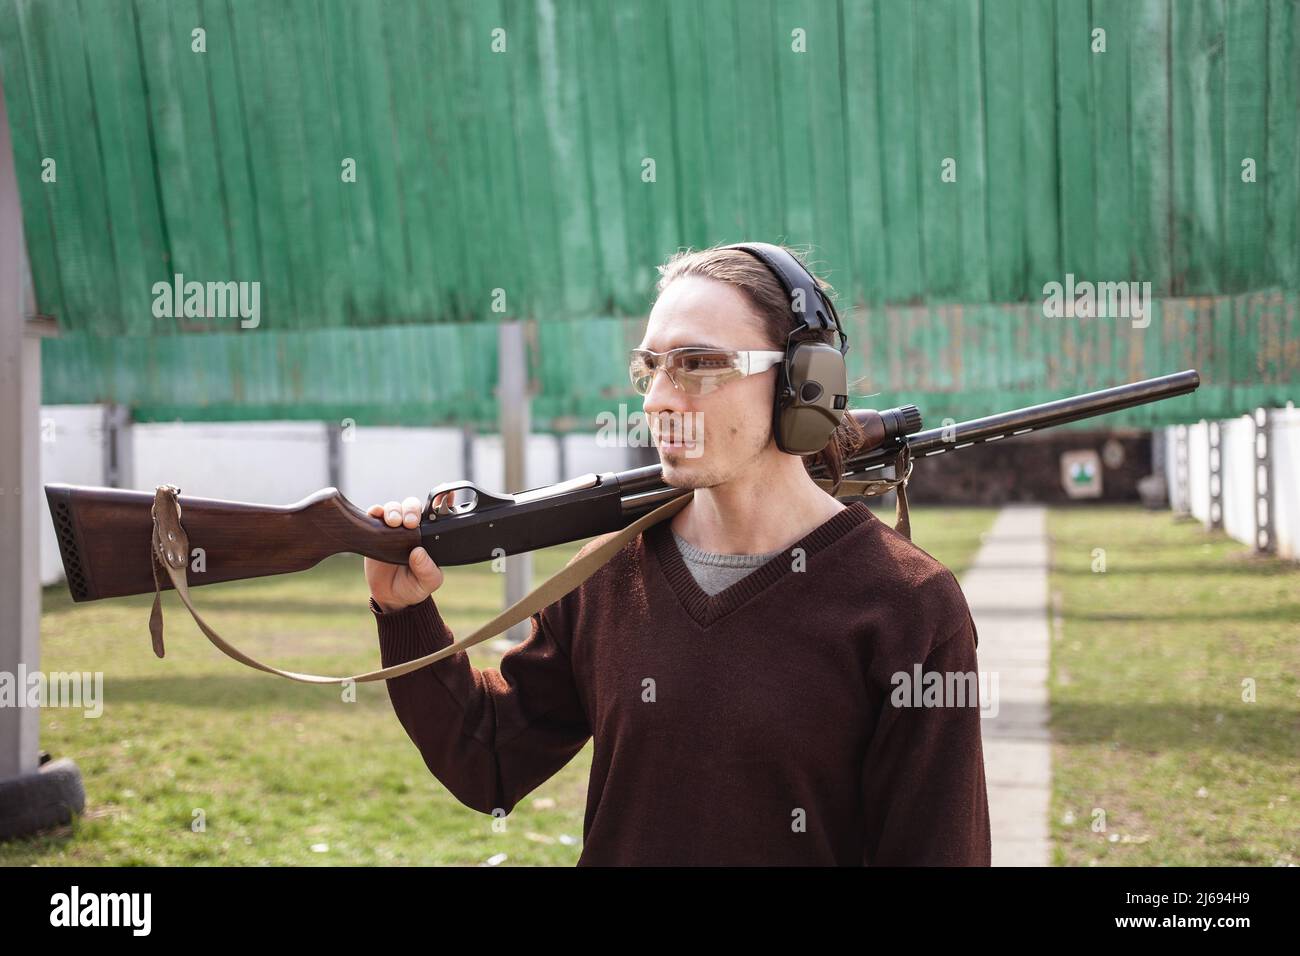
[738, 665]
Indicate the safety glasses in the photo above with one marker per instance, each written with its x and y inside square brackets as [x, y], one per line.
[698, 371]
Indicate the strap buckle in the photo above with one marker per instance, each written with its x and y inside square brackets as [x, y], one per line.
[169, 538]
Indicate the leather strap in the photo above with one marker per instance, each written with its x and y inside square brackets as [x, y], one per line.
[170, 550]
[870, 488]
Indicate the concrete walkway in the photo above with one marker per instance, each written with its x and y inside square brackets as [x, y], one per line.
[1006, 587]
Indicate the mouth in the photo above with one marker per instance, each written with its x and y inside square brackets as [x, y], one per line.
[675, 445]
[671, 439]
[677, 436]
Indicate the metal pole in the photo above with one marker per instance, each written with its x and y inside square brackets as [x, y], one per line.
[512, 399]
[119, 450]
[334, 452]
[467, 452]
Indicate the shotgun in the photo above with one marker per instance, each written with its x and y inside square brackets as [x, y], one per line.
[105, 534]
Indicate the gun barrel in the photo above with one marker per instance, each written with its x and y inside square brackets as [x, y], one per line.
[937, 441]
[650, 491]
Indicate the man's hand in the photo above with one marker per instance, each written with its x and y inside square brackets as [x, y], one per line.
[391, 585]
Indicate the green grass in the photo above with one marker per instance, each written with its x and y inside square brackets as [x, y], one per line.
[1148, 720]
[277, 767]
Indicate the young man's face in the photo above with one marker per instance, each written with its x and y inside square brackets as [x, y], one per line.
[727, 429]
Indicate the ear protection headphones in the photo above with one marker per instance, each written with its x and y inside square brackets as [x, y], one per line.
[812, 392]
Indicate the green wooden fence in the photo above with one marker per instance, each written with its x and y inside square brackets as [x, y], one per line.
[514, 182]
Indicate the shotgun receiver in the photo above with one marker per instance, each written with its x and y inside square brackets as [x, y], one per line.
[105, 534]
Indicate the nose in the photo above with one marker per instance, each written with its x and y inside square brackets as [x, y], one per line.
[663, 395]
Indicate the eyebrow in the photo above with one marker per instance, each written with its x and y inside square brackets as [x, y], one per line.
[688, 345]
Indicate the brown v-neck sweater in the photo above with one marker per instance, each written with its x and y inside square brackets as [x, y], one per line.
[761, 725]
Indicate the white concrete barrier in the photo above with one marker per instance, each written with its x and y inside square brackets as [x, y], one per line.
[266, 462]
[1237, 451]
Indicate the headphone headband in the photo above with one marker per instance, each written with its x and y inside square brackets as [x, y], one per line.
[819, 312]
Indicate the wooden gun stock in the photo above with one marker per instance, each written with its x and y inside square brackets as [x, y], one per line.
[104, 537]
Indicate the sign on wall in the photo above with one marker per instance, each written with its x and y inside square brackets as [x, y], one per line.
[1081, 473]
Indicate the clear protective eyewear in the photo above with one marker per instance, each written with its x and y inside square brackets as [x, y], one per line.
[698, 371]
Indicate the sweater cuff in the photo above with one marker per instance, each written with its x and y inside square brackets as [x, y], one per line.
[411, 632]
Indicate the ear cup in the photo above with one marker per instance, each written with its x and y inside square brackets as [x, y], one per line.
[811, 401]
[812, 391]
